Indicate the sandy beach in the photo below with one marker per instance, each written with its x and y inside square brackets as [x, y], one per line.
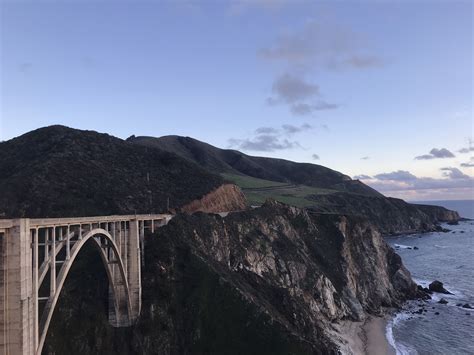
[374, 337]
[365, 338]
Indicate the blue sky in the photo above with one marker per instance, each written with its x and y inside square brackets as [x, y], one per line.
[387, 81]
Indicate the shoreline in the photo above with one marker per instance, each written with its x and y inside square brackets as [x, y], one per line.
[366, 338]
[374, 336]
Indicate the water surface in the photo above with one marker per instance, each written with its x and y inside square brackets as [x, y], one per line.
[448, 257]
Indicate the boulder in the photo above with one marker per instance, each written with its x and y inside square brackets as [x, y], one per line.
[443, 301]
[437, 286]
[467, 305]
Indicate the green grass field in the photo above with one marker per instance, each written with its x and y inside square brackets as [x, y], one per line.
[248, 182]
[258, 190]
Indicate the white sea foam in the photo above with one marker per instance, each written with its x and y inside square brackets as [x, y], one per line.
[422, 282]
[400, 349]
[439, 328]
[401, 246]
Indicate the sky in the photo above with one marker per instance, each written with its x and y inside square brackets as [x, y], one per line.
[380, 90]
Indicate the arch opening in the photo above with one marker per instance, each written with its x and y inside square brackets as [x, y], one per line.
[119, 304]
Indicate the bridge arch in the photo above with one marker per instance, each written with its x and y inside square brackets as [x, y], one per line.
[103, 241]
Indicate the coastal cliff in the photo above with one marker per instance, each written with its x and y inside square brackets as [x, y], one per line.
[270, 280]
[439, 213]
[389, 215]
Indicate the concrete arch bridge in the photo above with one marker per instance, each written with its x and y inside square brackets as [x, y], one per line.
[36, 256]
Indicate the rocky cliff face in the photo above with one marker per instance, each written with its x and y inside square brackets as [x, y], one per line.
[270, 280]
[225, 198]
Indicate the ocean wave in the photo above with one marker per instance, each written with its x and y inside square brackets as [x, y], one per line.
[401, 246]
[421, 282]
[456, 295]
[400, 348]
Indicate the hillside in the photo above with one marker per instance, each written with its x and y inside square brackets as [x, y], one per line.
[59, 171]
[391, 215]
[322, 190]
[235, 163]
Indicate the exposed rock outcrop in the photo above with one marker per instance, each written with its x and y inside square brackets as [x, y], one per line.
[288, 277]
[225, 198]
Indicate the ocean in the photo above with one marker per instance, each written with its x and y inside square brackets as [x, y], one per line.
[449, 258]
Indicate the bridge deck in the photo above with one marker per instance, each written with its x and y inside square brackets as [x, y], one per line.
[50, 222]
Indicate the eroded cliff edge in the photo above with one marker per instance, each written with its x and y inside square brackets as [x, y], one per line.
[225, 198]
[270, 280]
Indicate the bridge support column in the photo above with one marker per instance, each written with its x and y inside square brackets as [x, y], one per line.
[17, 330]
[134, 269]
[119, 315]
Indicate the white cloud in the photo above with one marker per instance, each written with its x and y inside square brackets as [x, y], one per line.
[322, 44]
[402, 180]
[270, 139]
[436, 154]
[301, 96]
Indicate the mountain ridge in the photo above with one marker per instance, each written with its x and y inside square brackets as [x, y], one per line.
[274, 169]
[57, 171]
[312, 186]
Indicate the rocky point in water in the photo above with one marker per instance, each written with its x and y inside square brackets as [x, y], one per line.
[437, 286]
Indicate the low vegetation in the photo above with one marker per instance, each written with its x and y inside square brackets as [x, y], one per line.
[257, 191]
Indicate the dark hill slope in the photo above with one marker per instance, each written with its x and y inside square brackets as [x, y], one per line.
[234, 162]
[59, 171]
